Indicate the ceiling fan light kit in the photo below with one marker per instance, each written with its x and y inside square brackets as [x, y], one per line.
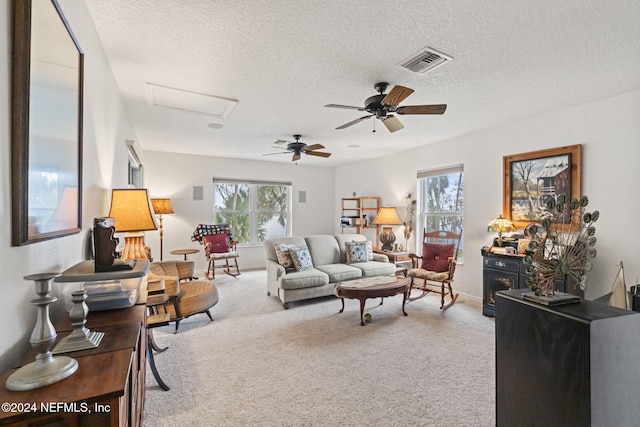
[381, 105]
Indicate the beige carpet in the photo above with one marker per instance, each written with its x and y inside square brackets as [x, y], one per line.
[257, 364]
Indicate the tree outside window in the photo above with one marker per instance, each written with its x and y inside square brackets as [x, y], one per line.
[254, 211]
[442, 200]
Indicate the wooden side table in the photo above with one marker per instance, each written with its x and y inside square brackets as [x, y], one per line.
[184, 252]
[400, 259]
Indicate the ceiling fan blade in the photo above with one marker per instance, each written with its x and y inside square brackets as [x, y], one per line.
[296, 157]
[317, 153]
[353, 122]
[422, 109]
[313, 147]
[397, 95]
[348, 107]
[272, 154]
[392, 123]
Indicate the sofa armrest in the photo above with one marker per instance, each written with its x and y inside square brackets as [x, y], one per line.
[274, 272]
[380, 257]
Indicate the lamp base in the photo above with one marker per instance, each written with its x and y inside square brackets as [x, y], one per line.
[387, 238]
[134, 247]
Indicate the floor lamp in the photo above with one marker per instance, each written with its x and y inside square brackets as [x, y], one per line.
[131, 208]
[161, 207]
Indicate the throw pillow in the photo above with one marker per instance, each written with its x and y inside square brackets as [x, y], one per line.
[283, 255]
[356, 252]
[369, 250]
[301, 258]
[436, 257]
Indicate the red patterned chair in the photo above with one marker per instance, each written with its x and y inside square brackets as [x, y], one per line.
[220, 251]
[436, 266]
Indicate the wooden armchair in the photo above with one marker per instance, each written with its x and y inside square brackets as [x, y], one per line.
[436, 266]
[219, 249]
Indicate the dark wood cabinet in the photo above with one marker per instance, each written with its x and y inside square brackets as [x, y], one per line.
[571, 365]
[500, 273]
[108, 387]
[505, 272]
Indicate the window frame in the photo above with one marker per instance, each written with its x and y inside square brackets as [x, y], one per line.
[421, 209]
[253, 212]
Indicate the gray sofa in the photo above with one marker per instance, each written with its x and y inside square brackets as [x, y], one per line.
[329, 267]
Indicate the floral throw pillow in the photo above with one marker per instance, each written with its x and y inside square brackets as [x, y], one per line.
[369, 250]
[356, 252]
[283, 255]
[301, 258]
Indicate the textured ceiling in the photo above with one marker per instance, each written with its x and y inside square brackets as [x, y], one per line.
[283, 60]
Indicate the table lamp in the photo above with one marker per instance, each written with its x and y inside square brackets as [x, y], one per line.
[131, 208]
[386, 217]
[501, 225]
[161, 207]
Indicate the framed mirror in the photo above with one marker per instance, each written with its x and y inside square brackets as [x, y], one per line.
[46, 143]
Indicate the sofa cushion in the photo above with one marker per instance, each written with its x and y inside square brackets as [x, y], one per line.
[324, 249]
[340, 272]
[369, 250]
[283, 254]
[303, 279]
[375, 268]
[301, 258]
[356, 252]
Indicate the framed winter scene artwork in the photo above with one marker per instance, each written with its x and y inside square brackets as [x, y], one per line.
[532, 179]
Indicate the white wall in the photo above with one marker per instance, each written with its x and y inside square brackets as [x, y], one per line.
[174, 176]
[105, 166]
[609, 131]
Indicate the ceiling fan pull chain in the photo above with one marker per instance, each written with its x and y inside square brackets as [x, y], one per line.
[374, 125]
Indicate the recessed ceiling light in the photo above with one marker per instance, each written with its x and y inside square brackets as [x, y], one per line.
[353, 146]
[215, 125]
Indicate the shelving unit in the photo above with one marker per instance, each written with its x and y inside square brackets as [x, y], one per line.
[361, 211]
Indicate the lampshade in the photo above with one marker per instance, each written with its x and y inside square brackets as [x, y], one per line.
[162, 207]
[132, 210]
[501, 225]
[387, 216]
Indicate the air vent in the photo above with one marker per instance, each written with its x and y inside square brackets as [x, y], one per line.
[425, 60]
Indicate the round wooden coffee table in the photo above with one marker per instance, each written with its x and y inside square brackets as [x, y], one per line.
[373, 287]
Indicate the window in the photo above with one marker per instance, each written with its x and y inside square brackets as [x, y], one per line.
[254, 210]
[135, 168]
[441, 200]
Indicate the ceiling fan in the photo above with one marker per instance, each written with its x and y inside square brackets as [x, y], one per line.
[298, 148]
[382, 104]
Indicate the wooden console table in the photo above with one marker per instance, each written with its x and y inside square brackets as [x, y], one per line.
[109, 386]
[107, 389]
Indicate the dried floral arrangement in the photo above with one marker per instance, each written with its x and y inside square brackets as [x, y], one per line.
[562, 245]
[410, 203]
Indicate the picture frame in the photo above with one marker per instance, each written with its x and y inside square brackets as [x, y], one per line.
[531, 179]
